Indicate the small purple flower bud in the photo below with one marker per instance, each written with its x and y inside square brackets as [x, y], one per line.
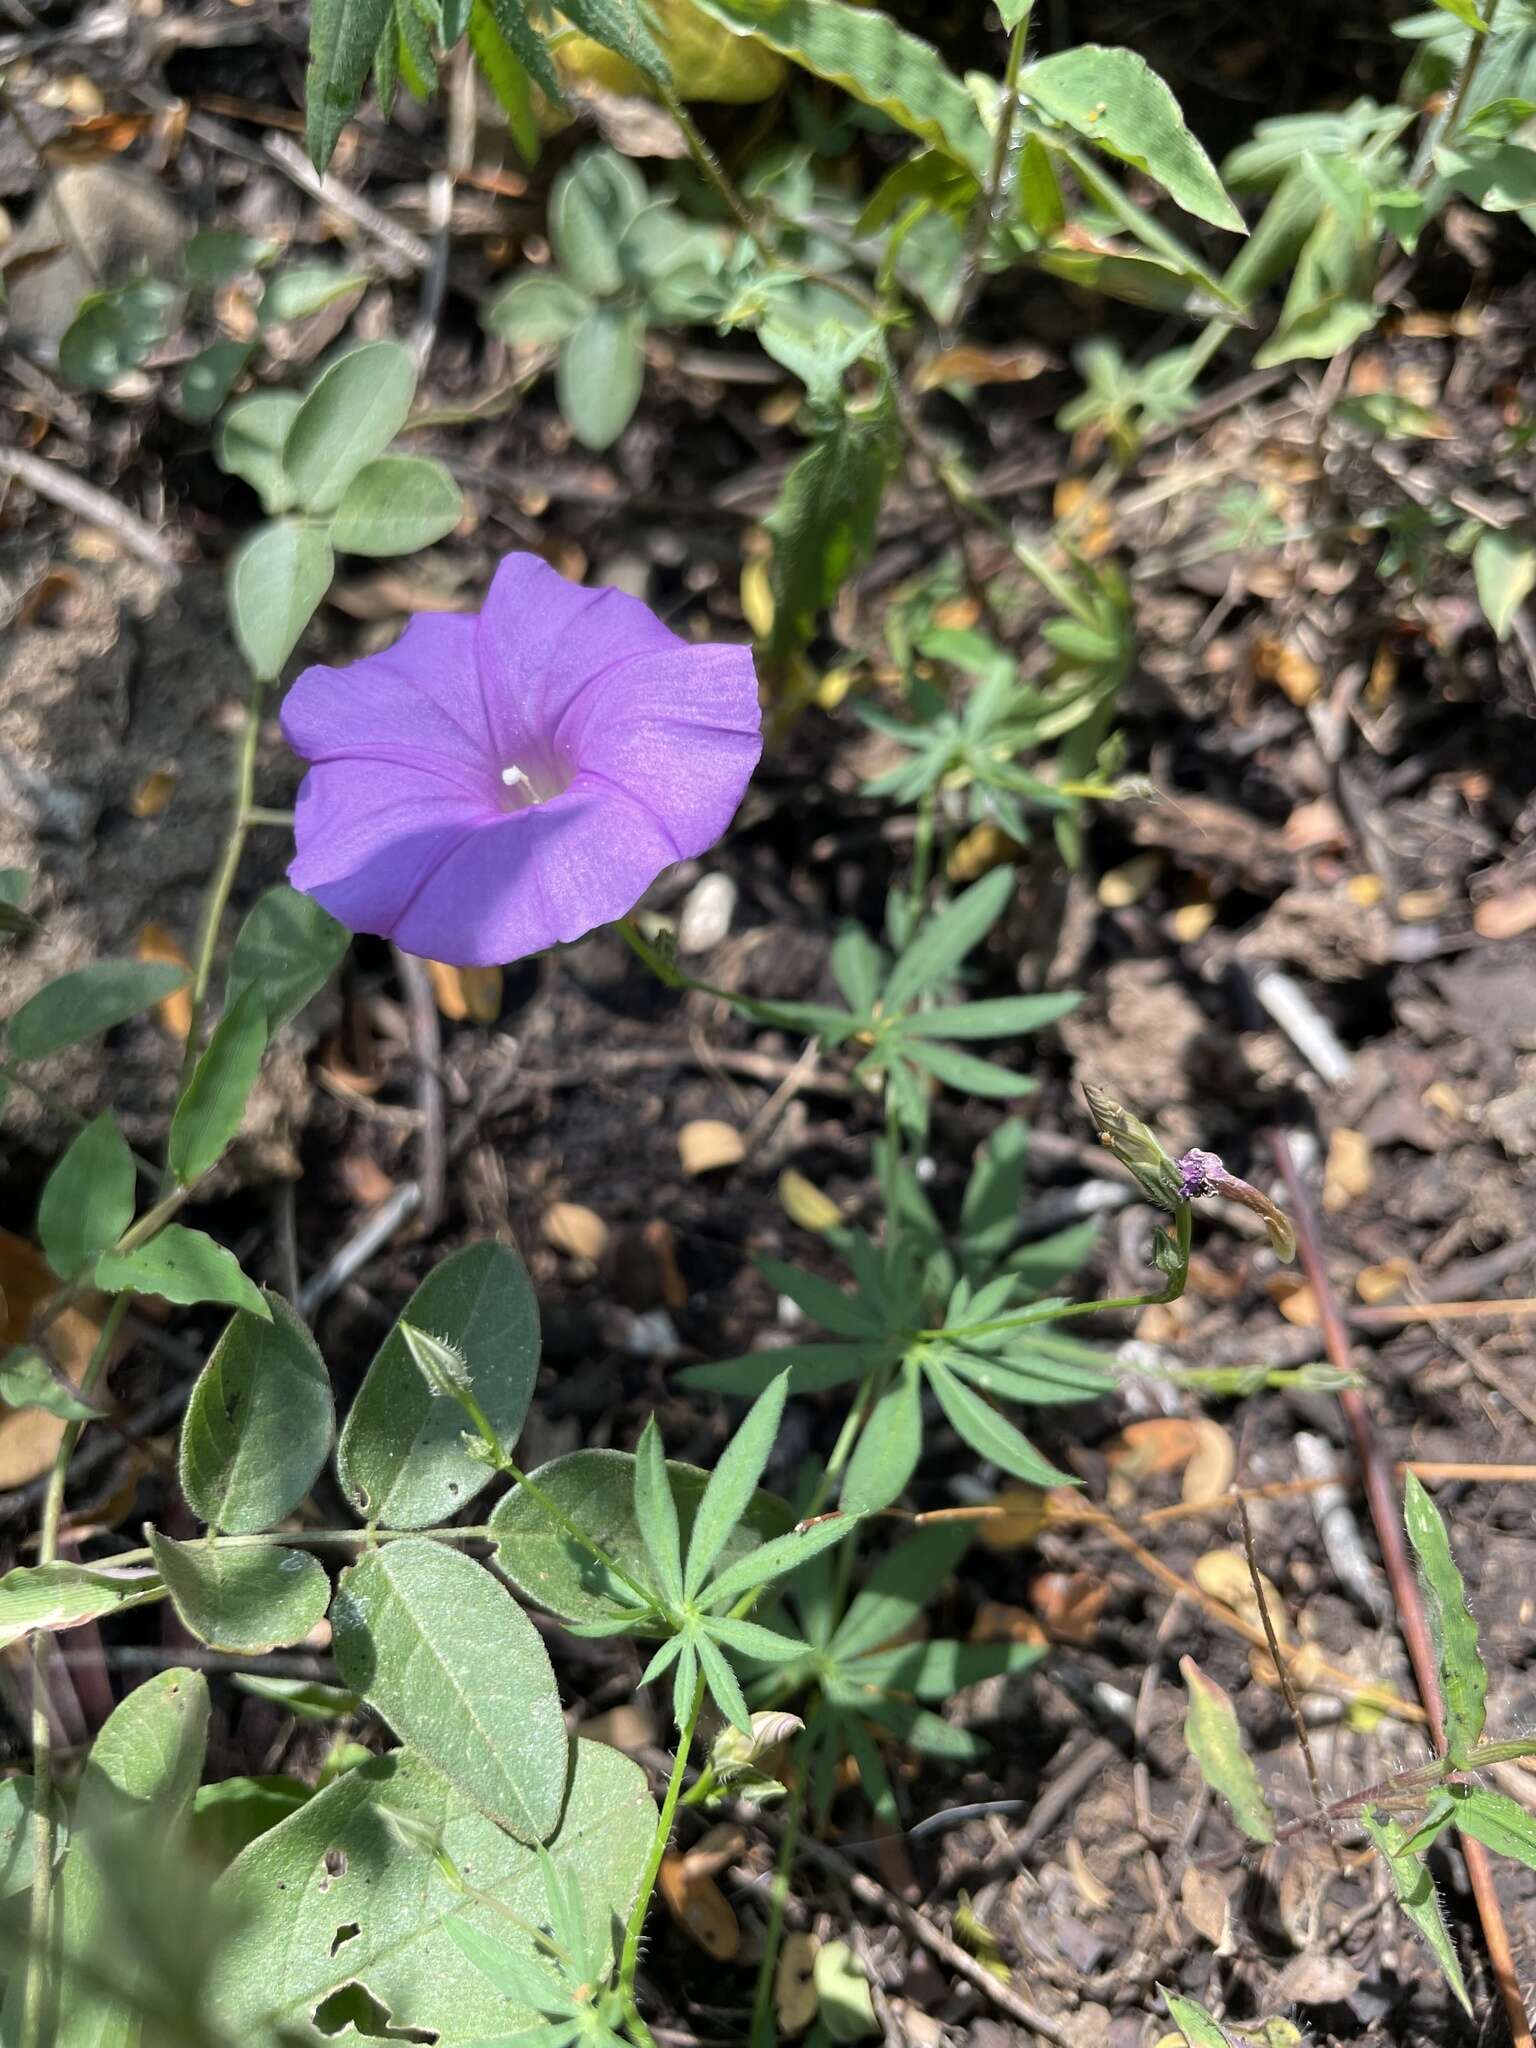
[1202, 1173]
[1196, 1171]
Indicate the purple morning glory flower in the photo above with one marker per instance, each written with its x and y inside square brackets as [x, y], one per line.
[493, 784]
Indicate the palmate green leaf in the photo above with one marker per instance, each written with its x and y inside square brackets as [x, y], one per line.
[889, 1445]
[656, 1516]
[349, 416]
[87, 1001]
[773, 1559]
[1023, 1373]
[990, 1435]
[343, 35]
[597, 1490]
[874, 1778]
[846, 1315]
[812, 1368]
[724, 1686]
[274, 583]
[601, 373]
[402, 1459]
[288, 948]
[1418, 1898]
[527, 45]
[504, 72]
[184, 1266]
[212, 1108]
[87, 1200]
[1463, 1676]
[1113, 99]
[859, 967]
[824, 524]
[447, 1657]
[246, 1598]
[965, 1073]
[1216, 1744]
[59, 1596]
[732, 1483]
[943, 941]
[937, 1671]
[340, 1864]
[898, 1589]
[865, 53]
[1498, 1822]
[915, 1726]
[751, 1639]
[685, 1679]
[395, 505]
[259, 1423]
[134, 1801]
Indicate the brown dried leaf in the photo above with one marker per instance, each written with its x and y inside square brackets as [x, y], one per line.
[578, 1232]
[706, 1145]
[1385, 1282]
[795, 2003]
[466, 993]
[29, 1437]
[175, 1012]
[1096, 1896]
[996, 1622]
[1069, 1603]
[1224, 1575]
[1288, 668]
[1025, 1512]
[1143, 1450]
[1506, 917]
[1210, 1471]
[983, 848]
[699, 1908]
[1348, 1173]
[968, 364]
[153, 793]
[1206, 1903]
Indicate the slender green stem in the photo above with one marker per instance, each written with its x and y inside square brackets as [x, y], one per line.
[631, 1957]
[984, 212]
[259, 814]
[34, 1994]
[711, 167]
[1049, 1312]
[922, 853]
[1424, 169]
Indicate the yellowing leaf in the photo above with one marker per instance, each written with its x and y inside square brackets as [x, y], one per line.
[804, 1203]
[157, 943]
[1348, 1173]
[1224, 1575]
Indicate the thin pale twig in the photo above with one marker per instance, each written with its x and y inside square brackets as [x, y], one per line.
[62, 487]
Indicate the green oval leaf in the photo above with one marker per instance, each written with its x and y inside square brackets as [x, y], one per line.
[60, 1596]
[1504, 572]
[597, 1490]
[250, 445]
[207, 379]
[350, 415]
[591, 203]
[115, 330]
[215, 256]
[305, 288]
[181, 1265]
[247, 1598]
[1115, 100]
[395, 505]
[601, 373]
[212, 1108]
[402, 1459]
[340, 1864]
[288, 948]
[87, 1200]
[275, 581]
[447, 1657]
[86, 1002]
[259, 1423]
[538, 308]
[1216, 1744]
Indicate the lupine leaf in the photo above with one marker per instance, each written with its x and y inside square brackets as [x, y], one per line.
[782, 1554]
[823, 525]
[732, 1483]
[343, 35]
[943, 942]
[1418, 1898]
[889, 1444]
[656, 1515]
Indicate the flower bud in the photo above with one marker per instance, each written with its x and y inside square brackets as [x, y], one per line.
[1202, 1173]
[1155, 1173]
[440, 1365]
[733, 1752]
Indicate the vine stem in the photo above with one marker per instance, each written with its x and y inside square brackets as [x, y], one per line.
[224, 875]
[984, 213]
[1424, 169]
[632, 1933]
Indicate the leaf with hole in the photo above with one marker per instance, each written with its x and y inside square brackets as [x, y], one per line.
[246, 1598]
[87, 1001]
[334, 1896]
[402, 1459]
[258, 1424]
[87, 1200]
[446, 1656]
[184, 1266]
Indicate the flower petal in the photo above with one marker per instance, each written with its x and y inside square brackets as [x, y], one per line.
[369, 833]
[679, 731]
[536, 878]
[543, 642]
[420, 696]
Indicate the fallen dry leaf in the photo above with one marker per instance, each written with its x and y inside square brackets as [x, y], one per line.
[1191, 921]
[996, 1622]
[971, 365]
[1224, 1575]
[699, 1908]
[1375, 1284]
[1120, 887]
[578, 1232]
[29, 1437]
[804, 1203]
[1288, 668]
[1206, 1903]
[1143, 1450]
[795, 2003]
[1069, 1604]
[1312, 826]
[1506, 917]
[1210, 1471]
[983, 848]
[153, 793]
[706, 1145]
[716, 1849]
[174, 1014]
[366, 1182]
[1089, 512]
[1348, 1173]
[466, 993]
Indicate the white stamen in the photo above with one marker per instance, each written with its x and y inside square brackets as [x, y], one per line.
[513, 775]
